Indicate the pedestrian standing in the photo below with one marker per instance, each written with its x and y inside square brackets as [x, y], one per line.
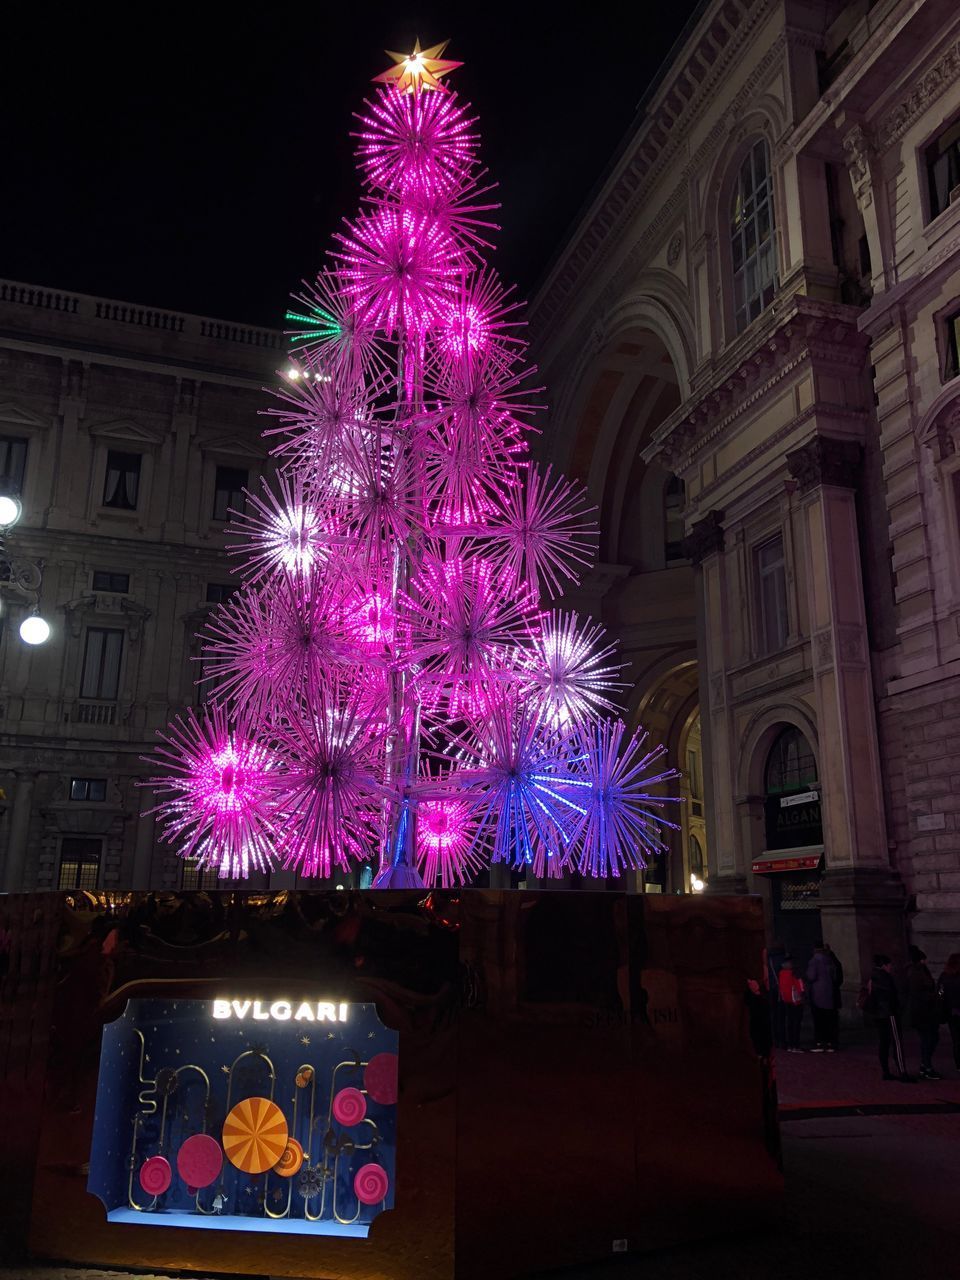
[949, 989]
[791, 989]
[821, 985]
[923, 1010]
[833, 1024]
[882, 1005]
[775, 958]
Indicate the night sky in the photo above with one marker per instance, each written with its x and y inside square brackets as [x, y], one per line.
[198, 158]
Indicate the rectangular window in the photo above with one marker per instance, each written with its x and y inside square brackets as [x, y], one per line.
[88, 788]
[771, 573]
[13, 464]
[79, 862]
[219, 592]
[121, 484]
[197, 877]
[107, 580]
[951, 334]
[943, 169]
[228, 495]
[101, 663]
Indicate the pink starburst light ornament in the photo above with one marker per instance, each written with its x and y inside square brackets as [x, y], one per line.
[618, 824]
[326, 787]
[463, 616]
[414, 143]
[543, 533]
[280, 533]
[265, 647]
[446, 851]
[481, 317]
[317, 418]
[332, 335]
[399, 266]
[512, 763]
[217, 808]
[569, 669]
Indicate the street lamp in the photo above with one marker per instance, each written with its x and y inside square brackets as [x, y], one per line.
[34, 629]
[10, 511]
[22, 577]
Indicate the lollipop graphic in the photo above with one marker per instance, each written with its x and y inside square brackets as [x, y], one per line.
[254, 1135]
[349, 1107]
[200, 1160]
[291, 1160]
[371, 1184]
[155, 1175]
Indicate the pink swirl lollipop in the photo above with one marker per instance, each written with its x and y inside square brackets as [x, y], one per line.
[200, 1160]
[349, 1106]
[380, 1078]
[371, 1184]
[155, 1175]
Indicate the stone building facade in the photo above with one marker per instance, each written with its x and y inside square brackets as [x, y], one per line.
[753, 331]
[127, 432]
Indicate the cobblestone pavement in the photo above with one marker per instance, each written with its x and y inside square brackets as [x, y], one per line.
[852, 1077]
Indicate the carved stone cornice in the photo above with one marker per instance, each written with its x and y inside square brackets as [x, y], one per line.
[826, 460]
[806, 330]
[944, 73]
[652, 149]
[705, 537]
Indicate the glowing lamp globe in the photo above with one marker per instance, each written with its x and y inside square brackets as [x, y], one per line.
[10, 510]
[34, 630]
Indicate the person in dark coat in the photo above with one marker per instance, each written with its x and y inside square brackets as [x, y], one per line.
[949, 989]
[923, 1010]
[821, 983]
[775, 958]
[758, 1015]
[883, 1007]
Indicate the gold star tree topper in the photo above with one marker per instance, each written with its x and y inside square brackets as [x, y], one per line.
[418, 70]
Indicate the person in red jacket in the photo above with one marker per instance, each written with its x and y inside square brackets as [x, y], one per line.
[791, 998]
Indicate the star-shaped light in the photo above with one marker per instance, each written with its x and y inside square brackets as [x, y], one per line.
[418, 70]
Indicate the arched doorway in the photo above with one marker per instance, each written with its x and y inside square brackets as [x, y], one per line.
[793, 841]
[643, 588]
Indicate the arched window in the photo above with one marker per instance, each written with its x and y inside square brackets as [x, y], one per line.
[673, 504]
[752, 237]
[791, 765]
[696, 858]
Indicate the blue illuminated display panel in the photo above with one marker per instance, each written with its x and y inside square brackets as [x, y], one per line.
[247, 1115]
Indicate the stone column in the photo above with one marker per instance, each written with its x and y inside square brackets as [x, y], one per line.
[142, 873]
[861, 897]
[15, 855]
[705, 546]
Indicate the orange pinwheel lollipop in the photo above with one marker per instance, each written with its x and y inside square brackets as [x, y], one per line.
[254, 1135]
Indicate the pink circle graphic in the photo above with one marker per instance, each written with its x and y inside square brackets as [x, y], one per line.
[200, 1160]
[380, 1078]
[155, 1175]
[371, 1184]
[349, 1106]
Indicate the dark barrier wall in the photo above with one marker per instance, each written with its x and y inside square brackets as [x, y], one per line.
[577, 1074]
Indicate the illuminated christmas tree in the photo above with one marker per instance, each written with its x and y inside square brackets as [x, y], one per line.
[387, 686]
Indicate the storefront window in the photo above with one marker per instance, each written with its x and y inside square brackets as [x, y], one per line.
[269, 1114]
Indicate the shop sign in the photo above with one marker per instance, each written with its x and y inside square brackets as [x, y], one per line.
[281, 1010]
[793, 820]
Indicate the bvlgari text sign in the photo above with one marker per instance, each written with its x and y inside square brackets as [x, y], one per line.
[281, 1010]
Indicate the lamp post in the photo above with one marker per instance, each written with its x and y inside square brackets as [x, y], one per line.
[21, 576]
